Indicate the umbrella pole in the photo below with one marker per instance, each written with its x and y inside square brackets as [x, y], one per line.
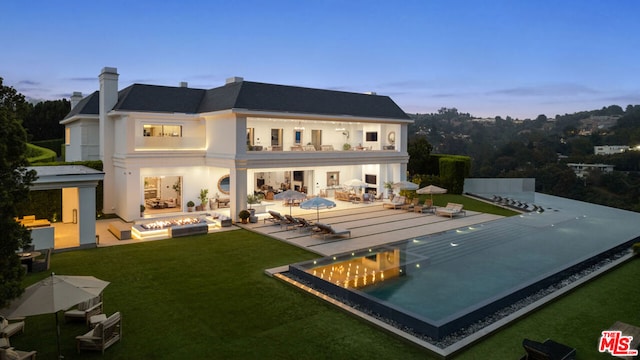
[58, 335]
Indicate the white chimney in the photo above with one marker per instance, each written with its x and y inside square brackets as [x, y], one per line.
[108, 99]
[184, 84]
[235, 79]
[371, 93]
[75, 98]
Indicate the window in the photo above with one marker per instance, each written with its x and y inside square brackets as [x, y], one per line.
[162, 130]
[297, 137]
[67, 136]
[372, 136]
[276, 136]
[370, 179]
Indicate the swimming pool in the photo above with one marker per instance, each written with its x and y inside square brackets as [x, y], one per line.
[439, 283]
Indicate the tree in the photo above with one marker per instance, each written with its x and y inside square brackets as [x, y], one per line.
[43, 121]
[419, 150]
[15, 180]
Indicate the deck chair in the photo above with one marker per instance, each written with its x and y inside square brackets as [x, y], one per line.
[102, 336]
[548, 350]
[325, 231]
[450, 210]
[276, 218]
[9, 353]
[291, 222]
[409, 207]
[304, 224]
[426, 207]
[10, 328]
[396, 203]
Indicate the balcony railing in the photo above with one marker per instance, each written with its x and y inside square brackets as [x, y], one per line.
[170, 143]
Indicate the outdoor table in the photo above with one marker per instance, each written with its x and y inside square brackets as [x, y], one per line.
[27, 258]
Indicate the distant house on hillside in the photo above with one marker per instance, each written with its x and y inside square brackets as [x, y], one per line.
[582, 170]
[162, 145]
[610, 150]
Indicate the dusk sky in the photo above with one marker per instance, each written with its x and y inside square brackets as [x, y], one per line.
[488, 58]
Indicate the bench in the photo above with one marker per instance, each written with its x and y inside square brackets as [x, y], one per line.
[120, 229]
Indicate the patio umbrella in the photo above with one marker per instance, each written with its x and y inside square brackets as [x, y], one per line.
[431, 189]
[52, 294]
[317, 203]
[289, 196]
[356, 183]
[405, 185]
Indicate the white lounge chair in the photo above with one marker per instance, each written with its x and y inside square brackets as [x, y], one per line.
[451, 210]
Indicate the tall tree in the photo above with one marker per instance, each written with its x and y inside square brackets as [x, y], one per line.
[419, 150]
[15, 180]
[43, 121]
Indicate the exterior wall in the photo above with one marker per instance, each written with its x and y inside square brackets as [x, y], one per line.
[84, 142]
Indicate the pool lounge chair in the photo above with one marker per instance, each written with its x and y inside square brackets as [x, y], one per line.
[547, 350]
[451, 210]
[409, 206]
[291, 222]
[426, 207]
[275, 218]
[304, 224]
[325, 231]
[396, 203]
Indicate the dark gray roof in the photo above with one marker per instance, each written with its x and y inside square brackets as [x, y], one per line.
[89, 105]
[247, 95]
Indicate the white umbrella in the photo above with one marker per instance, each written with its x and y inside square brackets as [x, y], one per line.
[289, 196]
[317, 203]
[406, 185]
[357, 183]
[55, 293]
[431, 189]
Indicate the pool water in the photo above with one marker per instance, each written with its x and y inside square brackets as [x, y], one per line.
[439, 283]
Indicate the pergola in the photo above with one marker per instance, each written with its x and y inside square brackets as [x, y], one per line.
[78, 184]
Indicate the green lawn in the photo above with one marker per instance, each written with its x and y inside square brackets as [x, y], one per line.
[207, 297]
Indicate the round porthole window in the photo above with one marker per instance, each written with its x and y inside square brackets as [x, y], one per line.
[392, 137]
[224, 184]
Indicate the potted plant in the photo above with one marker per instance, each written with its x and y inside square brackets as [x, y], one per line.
[389, 186]
[190, 205]
[177, 188]
[142, 208]
[203, 198]
[244, 215]
[253, 199]
[346, 146]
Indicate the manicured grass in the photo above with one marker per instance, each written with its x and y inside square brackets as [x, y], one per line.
[469, 204]
[207, 297]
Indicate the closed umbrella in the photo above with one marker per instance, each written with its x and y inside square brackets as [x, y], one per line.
[431, 189]
[405, 185]
[290, 196]
[317, 203]
[55, 293]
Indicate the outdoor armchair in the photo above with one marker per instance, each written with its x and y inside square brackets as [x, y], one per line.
[10, 328]
[42, 264]
[85, 310]
[9, 353]
[103, 335]
[396, 203]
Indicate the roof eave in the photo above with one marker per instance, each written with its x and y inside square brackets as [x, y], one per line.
[327, 117]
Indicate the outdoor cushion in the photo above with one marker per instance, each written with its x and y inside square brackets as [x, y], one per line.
[11, 354]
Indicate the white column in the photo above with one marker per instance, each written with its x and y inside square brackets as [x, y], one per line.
[237, 191]
[108, 99]
[87, 215]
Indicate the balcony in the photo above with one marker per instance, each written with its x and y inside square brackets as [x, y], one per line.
[173, 143]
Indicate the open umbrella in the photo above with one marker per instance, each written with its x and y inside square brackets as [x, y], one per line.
[317, 203]
[290, 196]
[55, 293]
[431, 189]
[405, 185]
[356, 183]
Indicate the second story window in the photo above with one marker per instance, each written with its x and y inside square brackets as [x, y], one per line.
[162, 130]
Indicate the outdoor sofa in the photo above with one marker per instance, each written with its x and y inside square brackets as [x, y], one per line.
[10, 328]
